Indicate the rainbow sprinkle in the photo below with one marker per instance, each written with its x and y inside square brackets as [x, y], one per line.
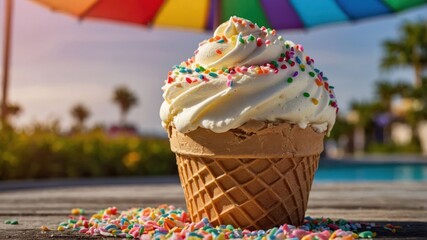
[241, 40]
[168, 222]
[295, 74]
[212, 74]
[291, 60]
[314, 101]
[259, 42]
[251, 38]
[229, 83]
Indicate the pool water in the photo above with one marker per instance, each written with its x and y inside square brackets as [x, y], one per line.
[345, 172]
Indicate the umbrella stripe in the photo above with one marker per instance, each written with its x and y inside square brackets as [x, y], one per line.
[363, 8]
[72, 7]
[201, 14]
[399, 5]
[136, 11]
[212, 11]
[183, 13]
[318, 12]
[249, 9]
[281, 14]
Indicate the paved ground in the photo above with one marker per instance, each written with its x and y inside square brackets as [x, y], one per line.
[403, 204]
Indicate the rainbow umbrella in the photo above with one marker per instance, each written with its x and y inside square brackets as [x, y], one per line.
[206, 14]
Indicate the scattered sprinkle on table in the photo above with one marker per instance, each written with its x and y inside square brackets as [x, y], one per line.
[168, 222]
[11, 222]
[45, 229]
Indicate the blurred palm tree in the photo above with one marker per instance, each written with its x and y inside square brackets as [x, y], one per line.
[409, 50]
[405, 89]
[12, 110]
[419, 109]
[362, 116]
[385, 91]
[80, 114]
[125, 99]
[365, 112]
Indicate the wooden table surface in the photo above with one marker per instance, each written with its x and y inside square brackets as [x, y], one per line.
[403, 204]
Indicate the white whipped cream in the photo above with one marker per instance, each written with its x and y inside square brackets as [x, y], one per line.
[245, 72]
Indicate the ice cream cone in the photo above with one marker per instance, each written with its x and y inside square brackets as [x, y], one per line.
[257, 176]
[235, 170]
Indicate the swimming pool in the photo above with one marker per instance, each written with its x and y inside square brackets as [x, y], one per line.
[341, 171]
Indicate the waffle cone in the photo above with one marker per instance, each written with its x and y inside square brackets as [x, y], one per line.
[237, 178]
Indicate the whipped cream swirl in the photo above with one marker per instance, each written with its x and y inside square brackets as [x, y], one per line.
[245, 72]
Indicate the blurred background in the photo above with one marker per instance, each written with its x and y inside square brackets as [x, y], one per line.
[83, 94]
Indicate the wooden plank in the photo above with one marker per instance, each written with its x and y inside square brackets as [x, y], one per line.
[402, 204]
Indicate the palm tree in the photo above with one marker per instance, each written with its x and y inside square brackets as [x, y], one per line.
[14, 109]
[365, 112]
[80, 113]
[385, 91]
[11, 111]
[363, 116]
[125, 99]
[405, 89]
[409, 50]
[419, 111]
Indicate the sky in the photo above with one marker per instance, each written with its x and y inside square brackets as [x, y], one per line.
[58, 61]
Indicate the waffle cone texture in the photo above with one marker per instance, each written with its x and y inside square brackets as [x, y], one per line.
[257, 176]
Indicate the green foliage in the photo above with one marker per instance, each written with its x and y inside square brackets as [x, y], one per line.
[341, 127]
[42, 153]
[80, 113]
[419, 112]
[12, 110]
[125, 99]
[365, 111]
[384, 93]
[412, 147]
[386, 90]
[409, 49]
